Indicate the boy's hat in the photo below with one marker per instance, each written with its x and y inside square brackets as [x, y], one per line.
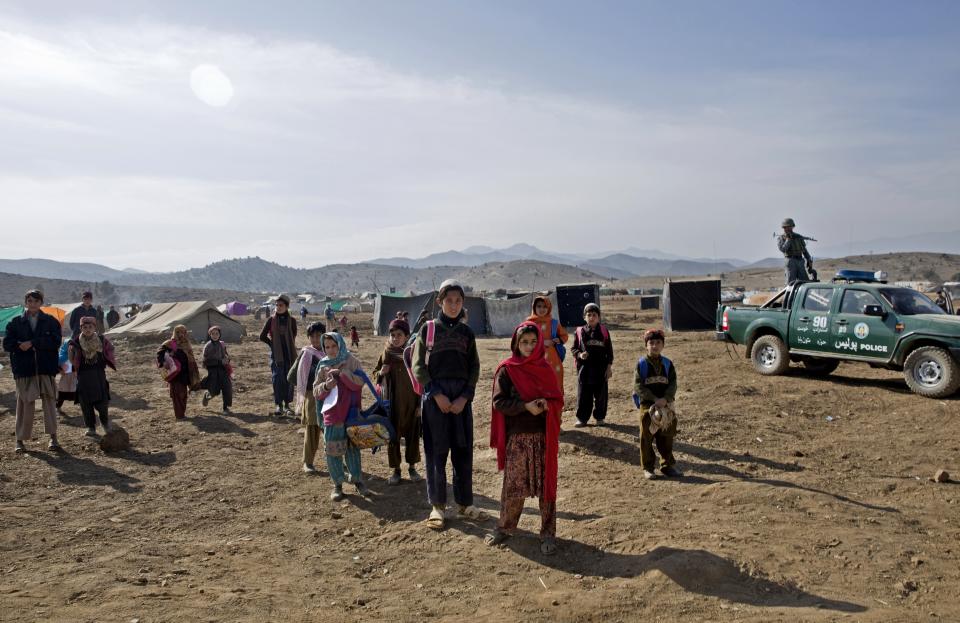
[88, 320]
[653, 334]
[591, 307]
[285, 299]
[87, 295]
[403, 325]
[212, 329]
[33, 294]
[446, 286]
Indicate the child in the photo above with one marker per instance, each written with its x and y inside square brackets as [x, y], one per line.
[280, 334]
[90, 354]
[302, 376]
[178, 346]
[593, 351]
[542, 316]
[525, 431]
[404, 403]
[67, 385]
[217, 362]
[654, 389]
[449, 373]
[354, 338]
[337, 370]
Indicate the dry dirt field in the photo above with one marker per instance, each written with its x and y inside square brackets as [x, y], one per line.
[783, 515]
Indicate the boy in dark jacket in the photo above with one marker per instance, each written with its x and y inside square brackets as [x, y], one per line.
[33, 341]
[655, 385]
[593, 352]
[448, 370]
[280, 334]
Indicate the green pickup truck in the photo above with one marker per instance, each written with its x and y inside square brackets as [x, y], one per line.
[856, 317]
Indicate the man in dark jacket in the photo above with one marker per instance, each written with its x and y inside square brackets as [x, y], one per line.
[33, 341]
[113, 317]
[86, 309]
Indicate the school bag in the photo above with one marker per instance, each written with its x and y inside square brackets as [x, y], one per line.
[644, 366]
[561, 349]
[370, 428]
[408, 356]
[170, 368]
[582, 330]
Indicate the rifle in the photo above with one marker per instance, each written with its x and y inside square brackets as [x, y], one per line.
[777, 235]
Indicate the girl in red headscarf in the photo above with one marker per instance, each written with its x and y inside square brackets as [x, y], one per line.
[525, 431]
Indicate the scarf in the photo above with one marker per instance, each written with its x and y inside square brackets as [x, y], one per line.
[181, 340]
[91, 346]
[533, 378]
[307, 355]
[546, 318]
[342, 354]
[281, 334]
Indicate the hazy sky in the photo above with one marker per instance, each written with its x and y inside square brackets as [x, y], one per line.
[163, 135]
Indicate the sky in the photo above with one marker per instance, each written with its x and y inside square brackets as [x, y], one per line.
[163, 135]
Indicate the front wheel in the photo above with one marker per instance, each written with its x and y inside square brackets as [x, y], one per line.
[770, 356]
[931, 372]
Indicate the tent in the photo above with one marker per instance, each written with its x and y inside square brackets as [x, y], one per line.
[690, 305]
[503, 315]
[198, 316]
[649, 301]
[236, 308]
[571, 298]
[386, 307]
[6, 315]
[476, 314]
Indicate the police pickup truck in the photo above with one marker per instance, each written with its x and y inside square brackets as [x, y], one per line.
[855, 317]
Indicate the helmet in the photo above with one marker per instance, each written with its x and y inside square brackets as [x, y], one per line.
[788, 222]
[591, 307]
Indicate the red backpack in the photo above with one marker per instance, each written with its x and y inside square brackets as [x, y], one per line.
[408, 356]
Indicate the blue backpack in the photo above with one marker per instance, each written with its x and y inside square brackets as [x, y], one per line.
[644, 368]
[561, 349]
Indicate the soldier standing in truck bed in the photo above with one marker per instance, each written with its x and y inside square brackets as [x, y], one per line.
[794, 249]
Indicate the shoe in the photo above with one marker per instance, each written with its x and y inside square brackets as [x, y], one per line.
[394, 478]
[362, 489]
[579, 424]
[436, 520]
[226, 411]
[20, 448]
[548, 546]
[206, 398]
[91, 432]
[496, 537]
[469, 512]
[601, 423]
[309, 469]
[337, 494]
[278, 411]
[60, 412]
[54, 446]
[671, 472]
[288, 412]
[414, 475]
[649, 475]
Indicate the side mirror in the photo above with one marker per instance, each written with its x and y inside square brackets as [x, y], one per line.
[874, 310]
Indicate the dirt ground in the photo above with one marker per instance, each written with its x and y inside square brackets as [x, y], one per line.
[802, 500]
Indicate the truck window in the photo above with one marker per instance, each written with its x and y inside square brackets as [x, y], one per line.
[818, 300]
[854, 301]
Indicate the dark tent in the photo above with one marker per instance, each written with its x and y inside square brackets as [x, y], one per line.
[570, 301]
[650, 301]
[386, 307]
[690, 305]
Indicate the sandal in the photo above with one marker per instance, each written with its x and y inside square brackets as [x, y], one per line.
[548, 547]
[436, 520]
[53, 446]
[496, 537]
[469, 512]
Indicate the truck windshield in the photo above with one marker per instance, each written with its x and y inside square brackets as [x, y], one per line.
[909, 302]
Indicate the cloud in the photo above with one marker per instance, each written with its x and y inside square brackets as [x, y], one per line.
[323, 156]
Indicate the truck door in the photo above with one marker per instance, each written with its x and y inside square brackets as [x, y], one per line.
[810, 320]
[855, 333]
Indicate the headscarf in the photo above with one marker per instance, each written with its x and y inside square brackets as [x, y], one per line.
[342, 354]
[181, 339]
[533, 378]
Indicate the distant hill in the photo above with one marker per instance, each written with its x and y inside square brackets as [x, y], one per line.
[52, 269]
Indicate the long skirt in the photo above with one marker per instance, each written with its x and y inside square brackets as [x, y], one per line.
[523, 478]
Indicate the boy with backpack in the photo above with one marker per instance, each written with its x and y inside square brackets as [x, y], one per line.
[392, 375]
[593, 351]
[654, 389]
[446, 365]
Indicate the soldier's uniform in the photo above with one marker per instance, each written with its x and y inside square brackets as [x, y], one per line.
[796, 256]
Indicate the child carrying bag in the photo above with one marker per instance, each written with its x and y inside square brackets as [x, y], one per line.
[561, 349]
[370, 428]
[408, 357]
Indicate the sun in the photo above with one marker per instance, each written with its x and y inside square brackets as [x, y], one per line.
[211, 85]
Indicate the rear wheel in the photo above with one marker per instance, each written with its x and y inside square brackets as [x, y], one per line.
[931, 372]
[769, 355]
[820, 367]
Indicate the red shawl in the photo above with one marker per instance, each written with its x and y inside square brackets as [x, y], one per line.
[534, 378]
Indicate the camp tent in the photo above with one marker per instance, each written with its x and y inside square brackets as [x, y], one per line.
[236, 308]
[476, 314]
[386, 307]
[649, 301]
[197, 316]
[570, 300]
[6, 315]
[690, 305]
[503, 315]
